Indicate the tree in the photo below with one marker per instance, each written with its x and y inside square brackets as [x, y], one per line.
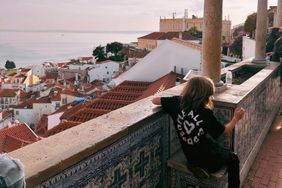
[10, 64]
[237, 31]
[114, 47]
[236, 46]
[195, 32]
[99, 54]
[250, 24]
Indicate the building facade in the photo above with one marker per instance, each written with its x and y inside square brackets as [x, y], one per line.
[184, 24]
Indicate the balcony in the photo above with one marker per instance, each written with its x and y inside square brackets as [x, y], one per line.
[130, 147]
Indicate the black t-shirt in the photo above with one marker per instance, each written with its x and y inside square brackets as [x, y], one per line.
[196, 129]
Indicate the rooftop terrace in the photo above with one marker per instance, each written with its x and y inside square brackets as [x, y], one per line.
[130, 146]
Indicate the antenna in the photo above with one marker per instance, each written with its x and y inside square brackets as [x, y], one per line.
[186, 13]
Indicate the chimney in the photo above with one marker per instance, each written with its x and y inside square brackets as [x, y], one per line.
[177, 81]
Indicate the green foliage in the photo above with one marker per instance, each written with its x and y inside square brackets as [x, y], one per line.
[236, 46]
[250, 24]
[194, 32]
[99, 54]
[237, 31]
[114, 47]
[10, 64]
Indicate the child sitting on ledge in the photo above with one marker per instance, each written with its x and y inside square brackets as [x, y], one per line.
[197, 128]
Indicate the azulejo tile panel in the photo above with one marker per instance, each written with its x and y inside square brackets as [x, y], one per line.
[259, 106]
[137, 160]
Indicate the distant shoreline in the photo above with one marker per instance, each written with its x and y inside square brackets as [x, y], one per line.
[72, 31]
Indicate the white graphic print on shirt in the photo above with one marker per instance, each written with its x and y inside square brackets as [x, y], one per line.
[187, 124]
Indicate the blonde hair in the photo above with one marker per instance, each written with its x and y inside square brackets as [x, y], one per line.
[197, 93]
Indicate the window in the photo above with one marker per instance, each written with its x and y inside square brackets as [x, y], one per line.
[57, 105]
[17, 112]
[107, 72]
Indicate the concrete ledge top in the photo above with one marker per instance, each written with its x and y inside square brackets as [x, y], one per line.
[235, 94]
[51, 155]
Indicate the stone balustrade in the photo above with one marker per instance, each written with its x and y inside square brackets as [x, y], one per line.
[130, 147]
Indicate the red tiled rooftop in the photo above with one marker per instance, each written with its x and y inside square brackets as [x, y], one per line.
[56, 97]
[189, 44]
[107, 104]
[60, 127]
[8, 92]
[51, 75]
[86, 58]
[25, 104]
[6, 114]
[75, 108]
[152, 36]
[121, 96]
[14, 137]
[167, 35]
[43, 100]
[86, 114]
[42, 125]
[163, 83]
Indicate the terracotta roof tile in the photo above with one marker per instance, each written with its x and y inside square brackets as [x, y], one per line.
[86, 58]
[26, 104]
[153, 36]
[8, 92]
[106, 104]
[43, 100]
[168, 35]
[87, 114]
[14, 137]
[122, 95]
[75, 107]
[42, 126]
[6, 114]
[163, 83]
[56, 97]
[188, 44]
[60, 127]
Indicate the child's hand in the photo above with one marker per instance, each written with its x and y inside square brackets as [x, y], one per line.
[239, 113]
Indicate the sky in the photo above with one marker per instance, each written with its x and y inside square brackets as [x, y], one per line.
[109, 15]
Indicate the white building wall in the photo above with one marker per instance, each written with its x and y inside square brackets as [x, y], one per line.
[162, 60]
[4, 123]
[248, 48]
[66, 99]
[54, 120]
[40, 109]
[103, 71]
[25, 115]
[81, 66]
[38, 70]
[10, 86]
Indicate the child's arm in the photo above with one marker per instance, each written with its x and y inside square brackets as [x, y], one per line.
[156, 100]
[239, 113]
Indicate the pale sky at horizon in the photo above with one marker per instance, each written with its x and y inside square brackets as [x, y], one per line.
[124, 15]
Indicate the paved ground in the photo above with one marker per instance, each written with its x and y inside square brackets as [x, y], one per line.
[266, 171]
